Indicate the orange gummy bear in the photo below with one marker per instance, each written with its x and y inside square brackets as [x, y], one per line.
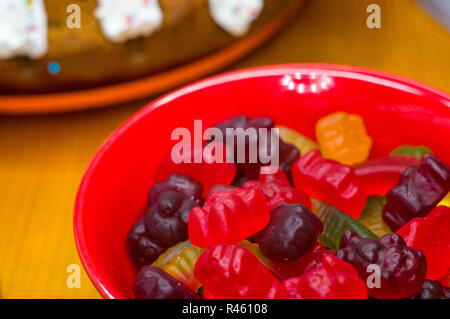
[342, 137]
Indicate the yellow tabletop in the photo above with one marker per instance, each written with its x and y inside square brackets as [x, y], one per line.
[43, 157]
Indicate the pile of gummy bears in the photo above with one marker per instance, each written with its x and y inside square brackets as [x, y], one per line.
[328, 224]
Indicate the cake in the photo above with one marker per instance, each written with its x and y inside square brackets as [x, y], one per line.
[62, 45]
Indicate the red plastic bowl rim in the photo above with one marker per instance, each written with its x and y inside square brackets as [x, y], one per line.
[364, 74]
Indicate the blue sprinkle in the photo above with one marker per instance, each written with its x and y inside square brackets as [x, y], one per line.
[54, 67]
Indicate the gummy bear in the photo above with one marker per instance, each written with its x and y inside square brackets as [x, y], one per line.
[333, 279]
[229, 271]
[291, 233]
[166, 221]
[419, 190]
[154, 283]
[185, 185]
[276, 189]
[431, 235]
[379, 175]
[303, 144]
[401, 269]
[208, 172]
[432, 290]
[342, 137]
[143, 251]
[181, 267]
[228, 217]
[329, 181]
[287, 153]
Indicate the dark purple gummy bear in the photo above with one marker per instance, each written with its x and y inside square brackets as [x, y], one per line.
[185, 185]
[419, 190]
[432, 290]
[287, 153]
[291, 233]
[166, 221]
[143, 251]
[402, 269]
[154, 283]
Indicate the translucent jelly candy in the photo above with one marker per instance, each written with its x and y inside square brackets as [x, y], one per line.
[419, 190]
[228, 217]
[303, 144]
[291, 233]
[276, 189]
[402, 269]
[333, 279]
[432, 290]
[445, 201]
[166, 221]
[154, 283]
[343, 138]
[371, 217]
[411, 151]
[379, 175]
[181, 267]
[229, 271]
[143, 251]
[431, 235]
[329, 181]
[185, 185]
[166, 257]
[287, 153]
[335, 222]
[209, 171]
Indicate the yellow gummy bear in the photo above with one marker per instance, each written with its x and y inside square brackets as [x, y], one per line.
[342, 137]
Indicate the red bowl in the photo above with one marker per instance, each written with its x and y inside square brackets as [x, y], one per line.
[113, 193]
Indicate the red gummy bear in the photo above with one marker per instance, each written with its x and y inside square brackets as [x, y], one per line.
[228, 217]
[330, 181]
[276, 189]
[229, 271]
[431, 235]
[334, 279]
[379, 175]
[208, 171]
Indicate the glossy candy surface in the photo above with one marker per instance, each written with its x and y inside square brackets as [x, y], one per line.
[291, 136]
[166, 221]
[185, 185]
[419, 190]
[230, 271]
[342, 137]
[154, 283]
[228, 217]
[261, 138]
[330, 181]
[291, 233]
[402, 269]
[142, 250]
[372, 216]
[335, 222]
[200, 163]
[431, 235]
[418, 151]
[276, 190]
[379, 175]
[332, 279]
[432, 290]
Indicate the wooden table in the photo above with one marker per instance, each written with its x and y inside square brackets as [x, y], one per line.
[43, 157]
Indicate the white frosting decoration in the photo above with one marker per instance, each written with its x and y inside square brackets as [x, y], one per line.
[235, 16]
[23, 28]
[122, 20]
